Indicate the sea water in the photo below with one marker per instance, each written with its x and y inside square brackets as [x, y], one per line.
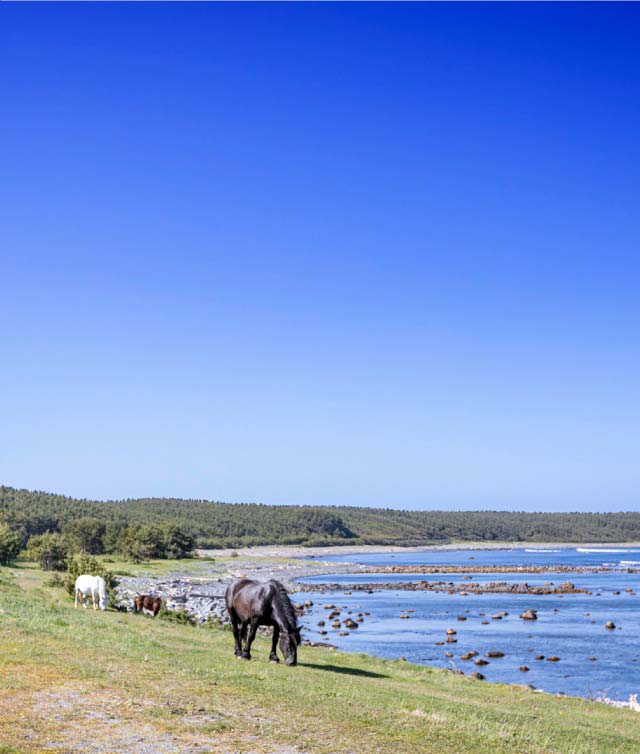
[569, 626]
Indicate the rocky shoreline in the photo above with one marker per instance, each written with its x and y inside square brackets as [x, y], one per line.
[202, 598]
[492, 587]
[495, 569]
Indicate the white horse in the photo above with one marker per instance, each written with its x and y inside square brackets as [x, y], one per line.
[93, 585]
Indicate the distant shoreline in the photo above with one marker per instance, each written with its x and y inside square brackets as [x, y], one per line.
[301, 551]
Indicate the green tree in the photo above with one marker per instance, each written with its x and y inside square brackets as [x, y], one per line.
[87, 535]
[177, 543]
[10, 541]
[138, 543]
[49, 550]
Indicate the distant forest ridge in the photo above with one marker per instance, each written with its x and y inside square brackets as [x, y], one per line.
[215, 524]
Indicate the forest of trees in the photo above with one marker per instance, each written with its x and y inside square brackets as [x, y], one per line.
[168, 527]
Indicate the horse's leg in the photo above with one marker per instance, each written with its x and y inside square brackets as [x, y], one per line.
[243, 640]
[273, 657]
[93, 597]
[75, 604]
[252, 635]
[235, 625]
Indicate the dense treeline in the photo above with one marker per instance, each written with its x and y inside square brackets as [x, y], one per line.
[53, 529]
[167, 527]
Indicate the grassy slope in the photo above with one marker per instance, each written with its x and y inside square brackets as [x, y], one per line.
[150, 686]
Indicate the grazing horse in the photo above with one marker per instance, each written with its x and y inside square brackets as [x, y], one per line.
[147, 604]
[93, 585]
[251, 604]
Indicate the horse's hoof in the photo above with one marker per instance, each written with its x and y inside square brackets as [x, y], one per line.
[274, 659]
[245, 657]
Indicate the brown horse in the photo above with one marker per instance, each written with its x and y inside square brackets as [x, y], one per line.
[145, 603]
[251, 604]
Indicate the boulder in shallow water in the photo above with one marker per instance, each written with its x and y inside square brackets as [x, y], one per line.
[529, 615]
[610, 625]
[477, 676]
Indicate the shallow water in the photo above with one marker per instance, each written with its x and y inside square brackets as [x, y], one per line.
[569, 626]
[509, 557]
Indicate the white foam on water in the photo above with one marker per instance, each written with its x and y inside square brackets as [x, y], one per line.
[599, 549]
[527, 549]
[629, 562]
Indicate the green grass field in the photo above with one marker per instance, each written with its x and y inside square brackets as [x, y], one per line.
[79, 680]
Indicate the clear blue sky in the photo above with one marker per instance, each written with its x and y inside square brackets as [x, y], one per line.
[367, 254]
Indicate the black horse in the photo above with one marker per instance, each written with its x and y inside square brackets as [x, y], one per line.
[251, 604]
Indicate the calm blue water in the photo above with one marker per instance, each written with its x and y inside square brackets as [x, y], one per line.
[525, 556]
[568, 626]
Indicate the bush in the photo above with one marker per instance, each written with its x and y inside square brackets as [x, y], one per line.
[57, 580]
[10, 543]
[49, 550]
[81, 564]
[177, 616]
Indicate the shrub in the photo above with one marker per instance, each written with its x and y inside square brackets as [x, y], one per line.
[81, 564]
[56, 579]
[49, 550]
[10, 542]
[177, 616]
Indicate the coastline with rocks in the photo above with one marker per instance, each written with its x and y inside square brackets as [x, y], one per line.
[201, 596]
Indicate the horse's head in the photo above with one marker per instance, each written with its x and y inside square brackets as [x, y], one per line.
[289, 643]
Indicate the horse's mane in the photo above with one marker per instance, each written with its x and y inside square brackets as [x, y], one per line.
[288, 614]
